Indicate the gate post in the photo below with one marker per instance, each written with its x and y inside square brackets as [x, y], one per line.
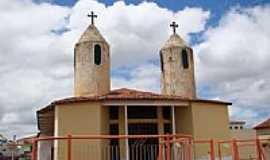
[160, 150]
[235, 150]
[190, 143]
[219, 151]
[69, 146]
[259, 149]
[168, 148]
[212, 152]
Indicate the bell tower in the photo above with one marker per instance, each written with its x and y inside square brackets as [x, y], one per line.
[177, 67]
[91, 63]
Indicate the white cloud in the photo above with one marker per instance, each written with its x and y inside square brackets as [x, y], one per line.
[36, 50]
[10, 118]
[135, 33]
[144, 77]
[30, 57]
[234, 60]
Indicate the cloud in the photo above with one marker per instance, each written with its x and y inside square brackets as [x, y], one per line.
[131, 39]
[234, 60]
[36, 50]
[143, 77]
[31, 56]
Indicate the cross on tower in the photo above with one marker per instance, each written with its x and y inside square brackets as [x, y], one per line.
[92, 15]
[174, 26]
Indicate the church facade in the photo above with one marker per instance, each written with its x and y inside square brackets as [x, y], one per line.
[95, 109]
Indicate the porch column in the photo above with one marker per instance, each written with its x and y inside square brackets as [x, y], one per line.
[122, 131]
[173, 120]
[174, 132]
[126, 132]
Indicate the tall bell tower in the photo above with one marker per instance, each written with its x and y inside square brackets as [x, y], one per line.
[177, 67]
[91, 63]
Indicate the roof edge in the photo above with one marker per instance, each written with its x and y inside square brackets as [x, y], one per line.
[212, 101]
[111, 94]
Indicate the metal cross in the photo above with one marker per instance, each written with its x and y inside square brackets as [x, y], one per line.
[174, 26]
[92, 15]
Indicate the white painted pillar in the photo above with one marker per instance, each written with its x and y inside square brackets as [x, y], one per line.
[126, 132]
[173, 120]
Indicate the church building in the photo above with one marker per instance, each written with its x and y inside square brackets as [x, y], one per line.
[96, 109]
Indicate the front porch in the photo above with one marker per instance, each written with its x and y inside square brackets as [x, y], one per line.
[117, 118]
[140, 120]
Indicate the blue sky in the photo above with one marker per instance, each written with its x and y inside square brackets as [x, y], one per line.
[177, 5]
[217, 7]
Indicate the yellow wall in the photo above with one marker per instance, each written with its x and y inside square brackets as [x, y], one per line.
[210, 121]
[183, 120]
[201, 120]
[81, 119]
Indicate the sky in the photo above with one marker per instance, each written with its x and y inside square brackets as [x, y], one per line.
[230, 40]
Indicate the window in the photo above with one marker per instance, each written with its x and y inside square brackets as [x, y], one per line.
[185, 58]
[75, 55]
[161, 62]
[97, 54]
[236, 127]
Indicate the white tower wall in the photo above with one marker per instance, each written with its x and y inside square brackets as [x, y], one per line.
[91, 78]
[177, 79]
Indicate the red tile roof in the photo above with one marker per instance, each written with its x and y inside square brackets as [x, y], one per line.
[121, 94]
[263, 125]
[131, 94]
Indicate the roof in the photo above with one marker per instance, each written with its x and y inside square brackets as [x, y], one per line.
[131, 94]
[126, 94]
[120, 94]
[91, 34]
[174, 41]
[264, 125]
